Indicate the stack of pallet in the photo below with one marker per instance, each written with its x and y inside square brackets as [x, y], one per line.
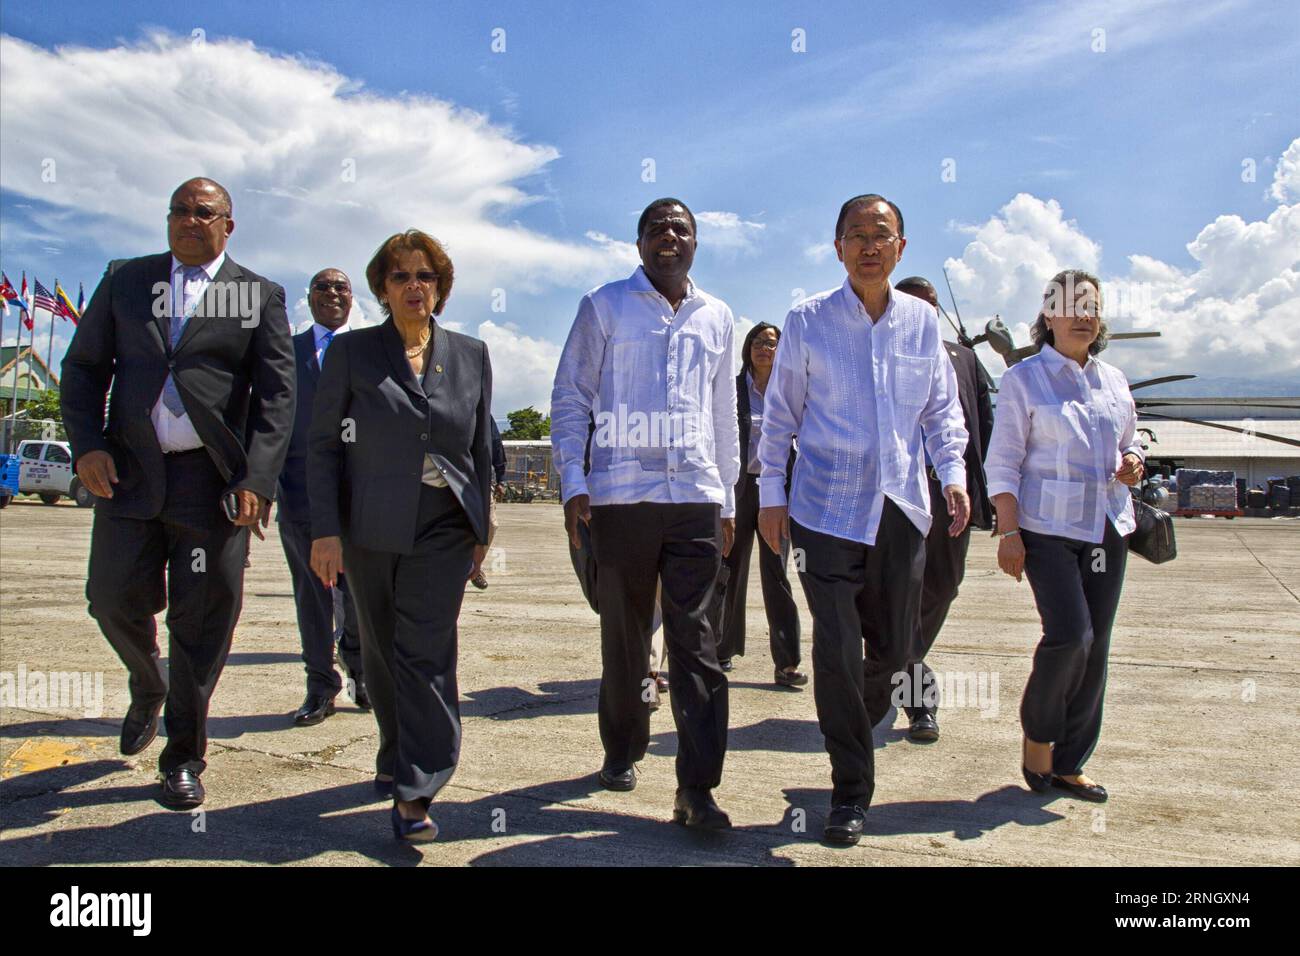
[1191, 480]
[1212, 497]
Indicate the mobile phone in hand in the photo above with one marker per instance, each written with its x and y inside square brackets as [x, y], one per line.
[230, 505]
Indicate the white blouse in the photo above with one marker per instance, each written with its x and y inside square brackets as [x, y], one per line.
[1058, 439]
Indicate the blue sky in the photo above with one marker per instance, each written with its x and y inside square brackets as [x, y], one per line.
[1070, 147]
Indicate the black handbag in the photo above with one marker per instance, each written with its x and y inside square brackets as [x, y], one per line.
[1153, 538]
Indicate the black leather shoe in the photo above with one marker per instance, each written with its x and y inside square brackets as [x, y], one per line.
[725, 664]
[181, 790]
[844, 825]
[313, 710]
[697, 808]
[384, 788]
[139, 727]
[923, 729]
[794, 678]
[615, 778]
[357, 692]
[1092, 792]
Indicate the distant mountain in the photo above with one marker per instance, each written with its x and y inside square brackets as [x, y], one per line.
[1226, 387]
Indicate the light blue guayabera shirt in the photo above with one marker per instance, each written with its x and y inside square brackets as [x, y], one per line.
[864, 398]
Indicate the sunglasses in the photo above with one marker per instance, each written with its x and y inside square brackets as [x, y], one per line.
[423, 277]
[341, 288]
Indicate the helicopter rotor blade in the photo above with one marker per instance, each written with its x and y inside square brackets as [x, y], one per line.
[1159, 381]
[1210, 403]
[1135, 335]
[1227, 428]
[948, 283]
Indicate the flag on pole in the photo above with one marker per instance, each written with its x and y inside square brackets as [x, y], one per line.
[63, 306]
[81, 297]
[44, 298]
[27, 304]
[9, 294]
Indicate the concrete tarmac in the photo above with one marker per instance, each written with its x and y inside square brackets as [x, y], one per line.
[1198, 748]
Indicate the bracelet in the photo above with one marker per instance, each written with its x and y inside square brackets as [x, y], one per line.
[1007, 534]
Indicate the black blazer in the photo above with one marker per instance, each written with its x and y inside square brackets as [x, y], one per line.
[743, 414]
[977, 408]
[293, 499]
[234, 375]
[367, 489]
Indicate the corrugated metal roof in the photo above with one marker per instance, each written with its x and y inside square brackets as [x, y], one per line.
[1186, 440]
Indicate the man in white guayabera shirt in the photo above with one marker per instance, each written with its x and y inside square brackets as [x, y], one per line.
[649, 362]
[861, 376]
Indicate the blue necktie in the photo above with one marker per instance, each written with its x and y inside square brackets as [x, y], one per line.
[325, 341]
[171, 397]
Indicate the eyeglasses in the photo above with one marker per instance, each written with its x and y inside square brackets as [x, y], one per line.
[878, 241]
[766, 346]
[342, 288]
[424, 277]
[202, 214]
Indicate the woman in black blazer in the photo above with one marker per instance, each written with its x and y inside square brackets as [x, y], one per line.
[399, 476]
[782, 615]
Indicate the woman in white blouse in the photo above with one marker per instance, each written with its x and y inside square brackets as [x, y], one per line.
[1064, 449]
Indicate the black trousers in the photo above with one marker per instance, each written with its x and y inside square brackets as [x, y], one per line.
[189, 560]
[1076, 586]
[637, 546]
[855, 591]
[945, 567]
[778, 599]
[316, 617]
[407, 607]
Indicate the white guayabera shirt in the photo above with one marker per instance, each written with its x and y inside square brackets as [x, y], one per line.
[662, 393]
[862, 397]
[1058, 439]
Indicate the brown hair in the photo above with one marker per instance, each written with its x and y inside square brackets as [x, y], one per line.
[1061, 284]
[413, 240]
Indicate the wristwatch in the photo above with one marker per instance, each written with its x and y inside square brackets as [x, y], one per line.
[1007, 534]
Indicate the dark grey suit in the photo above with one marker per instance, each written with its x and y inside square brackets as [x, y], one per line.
[407, 546]
[316, 606]
[162, 540]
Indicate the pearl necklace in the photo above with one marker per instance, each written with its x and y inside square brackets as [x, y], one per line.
[415, 350]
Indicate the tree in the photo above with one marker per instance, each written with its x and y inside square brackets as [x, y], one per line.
[527, 424]
[44, 406]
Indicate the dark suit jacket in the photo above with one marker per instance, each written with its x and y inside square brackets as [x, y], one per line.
[368, 489]
[977, 408]
[234, 375]
[743, 414]
[293, 499]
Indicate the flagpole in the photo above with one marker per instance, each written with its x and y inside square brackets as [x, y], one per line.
[4, 419]
[49, 351]
[31, 350]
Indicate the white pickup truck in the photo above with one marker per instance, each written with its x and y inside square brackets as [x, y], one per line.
[43, 468]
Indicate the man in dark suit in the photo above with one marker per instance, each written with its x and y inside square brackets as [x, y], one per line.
[319, 608]
[945, 556]
[198, 355]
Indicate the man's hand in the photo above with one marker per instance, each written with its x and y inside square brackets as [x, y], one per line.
[480, 552]
[98, 473]
[1130, 470]
[728, 535]
[577, 508]
[774, 526]
[958, 507]
[327, 559]
[253, 509]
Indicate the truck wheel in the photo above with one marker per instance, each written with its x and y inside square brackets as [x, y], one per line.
[4, 500]
[81, 494]
[50, 497]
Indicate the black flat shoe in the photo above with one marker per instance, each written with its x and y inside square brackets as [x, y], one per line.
[616, 778]
[697, 808]
[383, 789]
[414, 831]
[1092, 792]
[794, 678]
[139, 727]
[181, 790]
[923, 729]
[313, 710]
[1038, 782]
[844, 825]
[725, 664]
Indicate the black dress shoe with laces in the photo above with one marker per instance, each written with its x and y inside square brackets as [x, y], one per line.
[1092, 792]
[923, 728]
[313, 710]
[697, 808]
[844, 824]
[618, 778]
[139, 727]
[181, 790]
[794, 678]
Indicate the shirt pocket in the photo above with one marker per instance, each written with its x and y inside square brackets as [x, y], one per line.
[1061, 502]
[912, 377]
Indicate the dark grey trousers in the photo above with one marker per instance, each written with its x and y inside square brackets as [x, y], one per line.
[316, 616]
[1076, 586]
[407, 607]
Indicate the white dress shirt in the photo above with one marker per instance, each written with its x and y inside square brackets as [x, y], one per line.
[319, 332]
[177, 433]
[863, 398]
[662, 391]
[1058, 438]
[755, 424]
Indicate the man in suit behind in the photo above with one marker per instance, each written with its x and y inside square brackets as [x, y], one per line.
[321, 610]
[198, 354]
[945, 556]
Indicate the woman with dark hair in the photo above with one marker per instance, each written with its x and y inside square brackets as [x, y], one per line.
[757, 355]
[1063, 453]
[399, 477]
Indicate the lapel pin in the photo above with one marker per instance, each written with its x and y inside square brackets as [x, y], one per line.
[437, 368]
